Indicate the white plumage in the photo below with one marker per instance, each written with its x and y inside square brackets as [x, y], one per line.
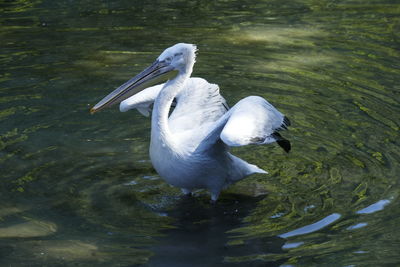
[189, 147]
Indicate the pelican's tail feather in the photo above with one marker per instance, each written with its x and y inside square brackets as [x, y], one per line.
[242, 169]
[256, 169]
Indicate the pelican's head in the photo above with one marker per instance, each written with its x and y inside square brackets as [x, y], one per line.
[179, 58]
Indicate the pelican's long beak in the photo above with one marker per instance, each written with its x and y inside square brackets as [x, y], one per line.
[159, 71]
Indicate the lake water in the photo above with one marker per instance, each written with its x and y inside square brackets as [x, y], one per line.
[79, 189]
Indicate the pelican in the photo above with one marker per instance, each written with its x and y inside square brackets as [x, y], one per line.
[189, 147]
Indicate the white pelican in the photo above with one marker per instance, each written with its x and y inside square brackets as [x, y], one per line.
[190, 147]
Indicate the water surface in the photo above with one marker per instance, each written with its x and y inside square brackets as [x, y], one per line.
[79, 190]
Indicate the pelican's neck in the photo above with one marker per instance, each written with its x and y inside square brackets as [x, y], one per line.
[160, 130]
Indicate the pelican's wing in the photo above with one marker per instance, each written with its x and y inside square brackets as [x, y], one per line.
[253, 120]
[198, 105]
[142, 101]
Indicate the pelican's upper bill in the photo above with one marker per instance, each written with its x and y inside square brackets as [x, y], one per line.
[178, 58]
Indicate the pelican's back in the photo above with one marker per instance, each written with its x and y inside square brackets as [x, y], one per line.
[199, 106]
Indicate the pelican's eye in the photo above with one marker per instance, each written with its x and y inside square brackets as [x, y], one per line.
[177, 54]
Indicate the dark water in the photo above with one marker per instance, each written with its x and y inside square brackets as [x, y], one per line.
[79, 190]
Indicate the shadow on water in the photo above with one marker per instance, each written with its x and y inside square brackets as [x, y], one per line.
[199, 235]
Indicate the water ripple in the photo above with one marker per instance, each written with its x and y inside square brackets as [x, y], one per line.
[313, 227]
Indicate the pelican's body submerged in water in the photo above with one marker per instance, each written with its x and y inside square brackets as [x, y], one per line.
[189, 147]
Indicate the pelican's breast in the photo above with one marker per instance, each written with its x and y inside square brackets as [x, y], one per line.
[184, 169]
[170, 164]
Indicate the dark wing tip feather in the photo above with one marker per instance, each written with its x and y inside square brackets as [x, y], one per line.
[286, 121]
[282, 142]
[285, 144]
